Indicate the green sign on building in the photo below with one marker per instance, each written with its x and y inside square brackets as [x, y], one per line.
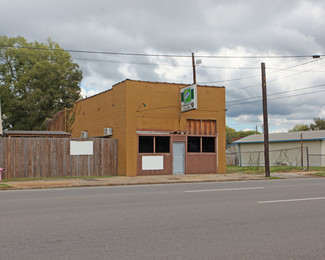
[189, 98]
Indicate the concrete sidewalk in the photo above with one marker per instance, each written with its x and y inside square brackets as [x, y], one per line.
[140, 180]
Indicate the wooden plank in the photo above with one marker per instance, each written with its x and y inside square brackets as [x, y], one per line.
[38, 154]
[3, 156]
[47, 159]
[59, 147]
[2, 152]
[97, 167]
[50, 157]
[64, 157]
[16, 157]
[28, 157]
[53, 159]
[115, 163]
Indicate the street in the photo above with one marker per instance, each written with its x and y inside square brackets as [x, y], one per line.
[272, 219]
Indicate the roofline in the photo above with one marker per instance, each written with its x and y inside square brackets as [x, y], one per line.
[281, 141]
[144, 81]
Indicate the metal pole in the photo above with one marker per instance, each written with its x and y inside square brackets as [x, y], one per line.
[301, 151]
[307, 153]
[265, 123]
[194, 71]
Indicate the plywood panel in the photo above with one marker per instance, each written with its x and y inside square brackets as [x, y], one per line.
[201, 127]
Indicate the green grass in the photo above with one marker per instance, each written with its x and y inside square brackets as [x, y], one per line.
[56, 178]
[317, 171]
[321, 174]
[2, 185]
[317, 168]
[261, 170]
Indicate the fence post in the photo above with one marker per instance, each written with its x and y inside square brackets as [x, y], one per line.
[307, 154]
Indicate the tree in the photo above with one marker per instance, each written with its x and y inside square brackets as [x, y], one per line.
[319, 124]
[243, 134]
[36, 81]
[232, 133]
[299, 128]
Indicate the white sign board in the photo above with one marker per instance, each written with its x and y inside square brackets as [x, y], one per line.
[81, 148]
[152, 162]
[189, 98]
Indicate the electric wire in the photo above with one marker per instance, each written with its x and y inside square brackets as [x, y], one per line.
[166, 55]
[319, 57]
[270, 99]
[285, 69]
[278, 93]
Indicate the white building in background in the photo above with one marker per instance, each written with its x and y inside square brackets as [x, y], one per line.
[286, 149]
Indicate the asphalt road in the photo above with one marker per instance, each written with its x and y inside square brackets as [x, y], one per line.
[274, 219]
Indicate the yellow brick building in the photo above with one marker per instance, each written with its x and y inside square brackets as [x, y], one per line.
[154, 136]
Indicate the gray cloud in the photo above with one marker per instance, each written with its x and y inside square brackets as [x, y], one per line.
[223, 27]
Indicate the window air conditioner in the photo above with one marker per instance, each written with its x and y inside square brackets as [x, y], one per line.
[108, 131]
[84, 134]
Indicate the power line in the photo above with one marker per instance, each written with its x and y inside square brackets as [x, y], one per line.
[285, 69]
[278, 93]
[166, 55]
[279, 97]
[218, 81]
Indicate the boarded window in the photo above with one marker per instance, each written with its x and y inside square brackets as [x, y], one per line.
[193, 144]
[201, 127]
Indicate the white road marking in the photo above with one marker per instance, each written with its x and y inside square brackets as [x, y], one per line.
[291, 200]
[230, 189]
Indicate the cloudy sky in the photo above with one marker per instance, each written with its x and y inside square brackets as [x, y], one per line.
[230, 37]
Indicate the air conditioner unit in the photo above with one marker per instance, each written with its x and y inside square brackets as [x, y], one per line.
[108, 131]
[84, 134]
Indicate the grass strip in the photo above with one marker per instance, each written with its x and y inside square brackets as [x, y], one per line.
[2, 185]
[56, 178]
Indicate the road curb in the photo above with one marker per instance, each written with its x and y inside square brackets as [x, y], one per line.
[125, 184]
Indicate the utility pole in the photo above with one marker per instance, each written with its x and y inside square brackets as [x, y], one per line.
[265, 123]
[194, 71]
[0, 120]
[301, 151]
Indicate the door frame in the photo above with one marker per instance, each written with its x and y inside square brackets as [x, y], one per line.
[184, 158]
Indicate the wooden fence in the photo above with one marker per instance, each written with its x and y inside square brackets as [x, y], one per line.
[50, 157]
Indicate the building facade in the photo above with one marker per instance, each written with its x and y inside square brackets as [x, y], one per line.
[154, 135]
[286, 149]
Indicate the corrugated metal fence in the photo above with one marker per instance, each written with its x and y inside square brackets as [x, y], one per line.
[50, 157]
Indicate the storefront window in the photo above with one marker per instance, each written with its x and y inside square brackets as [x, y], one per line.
[162, 144]
[145, 144]
[208, 144]
[193, 144]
